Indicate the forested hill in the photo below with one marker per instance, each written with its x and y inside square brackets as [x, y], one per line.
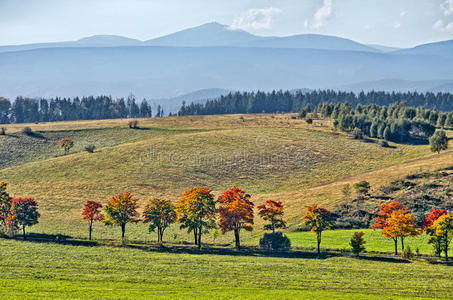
[286, 101]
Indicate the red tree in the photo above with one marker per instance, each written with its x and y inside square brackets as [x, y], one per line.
[91, 211]
[272, 211]
[235, 212]
[433, 216]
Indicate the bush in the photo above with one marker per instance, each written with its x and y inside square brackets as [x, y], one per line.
[133, 124]
[407, 253]
[309, 120]
[357, 133]
[384, 144]
[27, 130]
[2, 131]
[275, 241]
[66, 144]
[357, 242]
[90, 148]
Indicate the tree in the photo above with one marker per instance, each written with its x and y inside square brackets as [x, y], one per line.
[5, 203]
[120, 210]
[235, 212]
[438, 141]
[357, 242]
[195, 210]
[318, 219]
[396, 223]
[66, 144]
[272, 211]
[160, 214]
[91, 212]
[362, 187]
[443, 228]
[24, 212]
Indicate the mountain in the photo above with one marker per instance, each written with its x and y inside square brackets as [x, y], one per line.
[211, 34]
[162, 72]
[444, 49]
[92, 41]
[399, 85]
[314, 41]
[384, 48]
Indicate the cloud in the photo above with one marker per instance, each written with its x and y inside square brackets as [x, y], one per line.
[403, 14]
[396, 24]
[443, 27]
[256, 18]
[447, 7]
[321, 16]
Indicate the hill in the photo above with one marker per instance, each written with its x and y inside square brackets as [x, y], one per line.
[443, 49]
[271, 157]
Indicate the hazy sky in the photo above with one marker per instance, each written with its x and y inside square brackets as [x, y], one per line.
[388, 22]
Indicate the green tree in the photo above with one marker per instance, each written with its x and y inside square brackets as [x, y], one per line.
[160, 214]
[362, 187]
[357, 242]
[24, 212]
[438, 141]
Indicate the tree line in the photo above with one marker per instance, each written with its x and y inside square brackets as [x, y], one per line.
[31, 110]
[287, 101]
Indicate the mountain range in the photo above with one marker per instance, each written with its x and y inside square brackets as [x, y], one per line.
[214, 55]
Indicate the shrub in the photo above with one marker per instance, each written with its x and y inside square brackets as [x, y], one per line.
[66, 144]
[357, 242]
[90, 148]
[407, 253]
[133, 124]
[384, 144]
[3, 131]
[27, 130]
[309, 120]
[357, 133]
[275, 241]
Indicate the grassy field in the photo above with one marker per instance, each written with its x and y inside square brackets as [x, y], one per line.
[57, 271]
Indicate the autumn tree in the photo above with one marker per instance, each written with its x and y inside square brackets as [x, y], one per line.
[396, 222]
[436, 241]
[120, 210]
[92, 212]
[318, 219]
[272, 211]
[235, 213]
[5, 203]
[66, 144]
[24, 212]
[442, 228]
[160, 214]
[438, 141]
[195, 210]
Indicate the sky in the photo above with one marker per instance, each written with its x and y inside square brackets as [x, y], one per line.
[398, 23]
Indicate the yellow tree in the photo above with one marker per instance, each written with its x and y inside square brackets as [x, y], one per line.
[120, 210]
[443, 229]
[318, 219]
[196, 211]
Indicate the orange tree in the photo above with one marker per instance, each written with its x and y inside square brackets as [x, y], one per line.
[272, 211]
[120, 210]
[235, 212]
[396, 222]
[160, 214]
[318, 219]
[443, 229]
[66, 144]
[24, 212]
[91, 212]
[436, 241]
[195, 210]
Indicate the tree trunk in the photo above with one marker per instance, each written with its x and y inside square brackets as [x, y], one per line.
[446, 246]
[319, 242]
[402, 243]
[123, 230]
[23, 231]
[237, 239]
[195, 235]
[91, 228]
[199, 237]
[396, 246]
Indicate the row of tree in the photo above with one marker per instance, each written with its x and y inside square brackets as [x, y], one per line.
[31, 110]
[288, 101]
[196, 210]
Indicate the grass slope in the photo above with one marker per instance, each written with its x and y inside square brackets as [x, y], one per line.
[57, 271]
